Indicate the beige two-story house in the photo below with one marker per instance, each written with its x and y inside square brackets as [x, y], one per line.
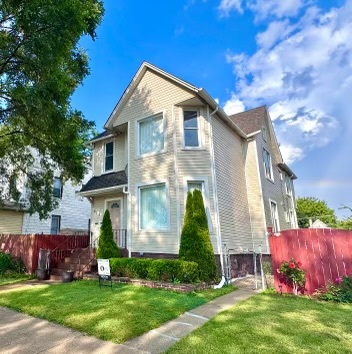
[166, 137]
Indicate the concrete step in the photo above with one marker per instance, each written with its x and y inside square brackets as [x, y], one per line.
[73, 259]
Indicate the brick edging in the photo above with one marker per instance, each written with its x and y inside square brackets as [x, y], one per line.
[182, 288]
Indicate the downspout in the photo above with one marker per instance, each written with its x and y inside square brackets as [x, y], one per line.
[215, 192]
[128, 194]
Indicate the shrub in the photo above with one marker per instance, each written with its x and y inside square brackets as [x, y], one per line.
[339, 291]
[11, 264]
[5, 262]
[291, 273]
[155, 269]
[195, 245]
[107, 247]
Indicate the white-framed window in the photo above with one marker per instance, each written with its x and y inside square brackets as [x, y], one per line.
[264, 133]
[288, 185]
[281, 175]
[55, 224]
[191, 136]
[151, 136]
[292, 221]
[268, 170]
[153, 207]
[199, 183]
[274, 216]
[57, 187]
[109, 156]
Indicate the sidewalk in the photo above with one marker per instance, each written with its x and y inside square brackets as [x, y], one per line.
[20, 333]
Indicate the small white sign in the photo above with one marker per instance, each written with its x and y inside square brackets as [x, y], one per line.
[103, 267]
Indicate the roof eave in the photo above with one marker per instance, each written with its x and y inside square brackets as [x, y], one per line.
[284, 167]
[99, 191]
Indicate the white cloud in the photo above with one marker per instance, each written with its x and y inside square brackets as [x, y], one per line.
[291, 153]
[303, 72]
[226, 6]
[233, 105]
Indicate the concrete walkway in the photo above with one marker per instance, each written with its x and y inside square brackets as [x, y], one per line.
[20, 333]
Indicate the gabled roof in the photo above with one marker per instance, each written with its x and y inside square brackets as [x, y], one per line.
[250, 121]
[198, 91]
[108, 180]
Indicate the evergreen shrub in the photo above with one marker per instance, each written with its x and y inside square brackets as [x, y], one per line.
[107, 247]
[195, 243]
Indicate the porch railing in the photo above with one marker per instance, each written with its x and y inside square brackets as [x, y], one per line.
[120, 238]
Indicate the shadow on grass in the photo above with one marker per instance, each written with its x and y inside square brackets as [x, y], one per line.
[116, 314]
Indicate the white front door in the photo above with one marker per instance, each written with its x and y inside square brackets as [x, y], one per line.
[114, 207]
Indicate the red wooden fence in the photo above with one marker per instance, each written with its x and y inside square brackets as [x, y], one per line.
[325, 254]
[27, 246]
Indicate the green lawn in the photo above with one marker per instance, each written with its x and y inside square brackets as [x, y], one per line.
[13, 279]
[119, 314]
[270, 323]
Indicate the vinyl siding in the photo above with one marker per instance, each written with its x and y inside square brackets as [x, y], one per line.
[231, 185]
[255, 196]
[153, 94]
[11, 222]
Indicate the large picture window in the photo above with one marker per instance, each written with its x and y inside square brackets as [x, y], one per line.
[191, 128]
[267, 164]
[109, 156]
[153, 208]
[151, 135]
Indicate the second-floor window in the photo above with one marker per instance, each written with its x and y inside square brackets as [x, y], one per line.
[274, 216]
[109, 156]
[288, 185]
[151, 135]
[267, 164]
[57, 188]
[191, 128]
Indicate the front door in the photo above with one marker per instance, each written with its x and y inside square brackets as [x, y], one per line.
[114, 207]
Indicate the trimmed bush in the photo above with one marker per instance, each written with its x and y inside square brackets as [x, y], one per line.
[155, 269]
[11, 264]
[107, 247]
[195, 238]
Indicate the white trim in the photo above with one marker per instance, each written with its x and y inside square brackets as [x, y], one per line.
[100, 139]
[199, 129]
[101, 191]
[106, 201]
[113, 156]
[178, 206]
[138, 155]
[215, 190]
[140, 186]
[255, 147]
[129, 197]
[272, 201]
[205, 192]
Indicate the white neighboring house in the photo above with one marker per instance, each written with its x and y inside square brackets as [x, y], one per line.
[71, 217]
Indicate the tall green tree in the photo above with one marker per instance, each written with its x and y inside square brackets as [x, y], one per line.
[195, 242]
[313, 208]
[107, 247]
[41, 65]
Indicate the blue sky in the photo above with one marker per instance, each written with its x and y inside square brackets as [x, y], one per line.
[294, 56]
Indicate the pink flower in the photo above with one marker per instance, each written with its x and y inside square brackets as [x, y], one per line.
[292, 265]
[299, 264]
[278, 271]
[338, 280]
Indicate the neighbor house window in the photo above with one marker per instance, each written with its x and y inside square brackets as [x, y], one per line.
[109, 156]
[288, 185]
[191, 128]
[153, 207]
[195, 185]
[57, 187]
[267, 164]
[274, 216]
[55, 224]
[151, 135]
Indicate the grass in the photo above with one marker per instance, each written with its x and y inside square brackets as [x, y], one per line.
[270, 323]
[116, 315]
[5, 280]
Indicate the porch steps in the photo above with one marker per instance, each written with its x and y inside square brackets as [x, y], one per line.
[81, 261]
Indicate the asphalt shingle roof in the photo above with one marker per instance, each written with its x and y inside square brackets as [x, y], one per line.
[250, 121]
[112, 179]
